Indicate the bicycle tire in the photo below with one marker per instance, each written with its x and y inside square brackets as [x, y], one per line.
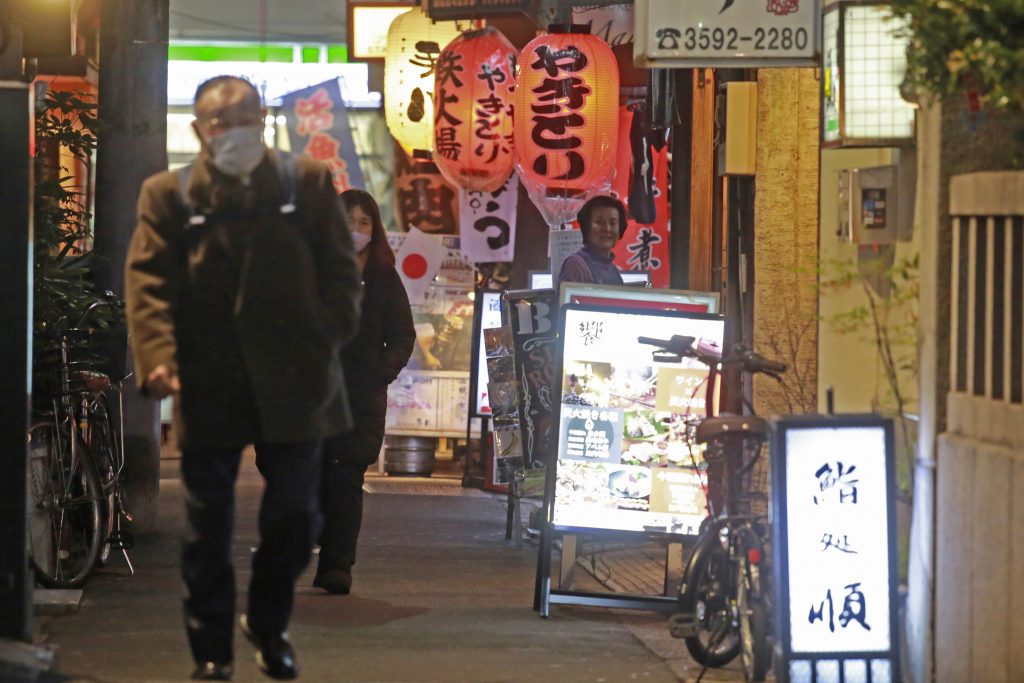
[752, 618]
[64, 527]
[705, 593]
[103, 447]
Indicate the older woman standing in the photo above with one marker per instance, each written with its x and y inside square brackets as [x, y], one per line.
[602, 222]
[372, 360]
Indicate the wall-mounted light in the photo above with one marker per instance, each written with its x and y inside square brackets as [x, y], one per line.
[864, 61]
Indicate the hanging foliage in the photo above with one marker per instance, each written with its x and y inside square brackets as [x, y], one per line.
[970, 47]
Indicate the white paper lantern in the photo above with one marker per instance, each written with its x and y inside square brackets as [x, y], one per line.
[414, 44]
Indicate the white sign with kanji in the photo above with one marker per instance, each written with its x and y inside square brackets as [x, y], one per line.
[838, 539]
[487, 223]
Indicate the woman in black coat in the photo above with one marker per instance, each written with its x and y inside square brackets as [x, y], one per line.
[371, 360]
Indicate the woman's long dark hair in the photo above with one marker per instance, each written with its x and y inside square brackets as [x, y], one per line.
[380, 252]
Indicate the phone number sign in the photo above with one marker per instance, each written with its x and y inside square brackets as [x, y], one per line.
[727, 33]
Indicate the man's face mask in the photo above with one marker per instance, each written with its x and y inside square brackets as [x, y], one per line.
[237, 151]
[360, 241]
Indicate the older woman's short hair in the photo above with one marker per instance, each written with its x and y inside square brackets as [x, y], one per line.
[586, 214]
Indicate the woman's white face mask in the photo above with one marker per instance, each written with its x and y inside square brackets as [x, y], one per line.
[237, 151]
[360, 241]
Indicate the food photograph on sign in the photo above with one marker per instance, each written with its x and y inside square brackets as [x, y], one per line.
[626, 459]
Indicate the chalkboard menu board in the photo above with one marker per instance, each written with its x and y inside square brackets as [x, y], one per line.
[532, 315]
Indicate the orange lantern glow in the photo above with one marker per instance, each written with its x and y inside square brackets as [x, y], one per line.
[475, 80]
[566, 120]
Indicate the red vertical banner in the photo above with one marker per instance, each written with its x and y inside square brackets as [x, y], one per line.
[645, 246]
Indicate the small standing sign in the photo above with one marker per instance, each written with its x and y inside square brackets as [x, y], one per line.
[835, 549]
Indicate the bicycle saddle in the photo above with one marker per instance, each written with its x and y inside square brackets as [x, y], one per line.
[94, 382]
[745, 425]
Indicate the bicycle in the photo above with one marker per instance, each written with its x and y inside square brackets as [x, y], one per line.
[76, 460]
[725, 598]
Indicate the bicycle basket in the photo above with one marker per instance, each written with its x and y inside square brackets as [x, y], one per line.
[77, 359]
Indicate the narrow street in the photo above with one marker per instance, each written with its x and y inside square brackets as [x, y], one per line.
[439, 595]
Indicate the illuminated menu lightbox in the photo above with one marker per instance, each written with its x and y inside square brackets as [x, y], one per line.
[833, 478]
[624, 460]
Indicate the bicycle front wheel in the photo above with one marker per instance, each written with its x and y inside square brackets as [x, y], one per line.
[755, 651]
[65, 520]
[706, 594]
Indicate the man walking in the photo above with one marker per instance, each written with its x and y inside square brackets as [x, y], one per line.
[241, 287]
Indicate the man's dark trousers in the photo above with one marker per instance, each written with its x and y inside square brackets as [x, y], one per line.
[289, 522]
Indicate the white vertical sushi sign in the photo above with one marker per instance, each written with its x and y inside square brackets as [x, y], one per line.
[834, 492]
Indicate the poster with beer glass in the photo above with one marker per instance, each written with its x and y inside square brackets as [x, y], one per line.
[626, 458]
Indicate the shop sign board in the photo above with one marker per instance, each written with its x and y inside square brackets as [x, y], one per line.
[833, 482]
[624, 465]
[727, 33]
[488, 316]
[473, 9]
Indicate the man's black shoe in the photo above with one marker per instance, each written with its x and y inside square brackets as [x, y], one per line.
[212, 671]
[274, 654]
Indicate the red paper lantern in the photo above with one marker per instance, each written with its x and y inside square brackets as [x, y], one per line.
[475, 79]
[567, 117]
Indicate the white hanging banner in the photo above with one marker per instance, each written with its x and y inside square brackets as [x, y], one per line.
[487, 223]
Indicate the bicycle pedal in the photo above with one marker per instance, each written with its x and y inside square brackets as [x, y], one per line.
[683, 625]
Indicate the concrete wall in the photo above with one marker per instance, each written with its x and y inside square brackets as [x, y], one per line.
[979, 604]
[786, 235]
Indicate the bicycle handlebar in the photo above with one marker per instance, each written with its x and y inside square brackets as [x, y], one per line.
[109, 299]
[683, 347]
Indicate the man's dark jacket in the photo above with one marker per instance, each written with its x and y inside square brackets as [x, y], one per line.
[250, 307]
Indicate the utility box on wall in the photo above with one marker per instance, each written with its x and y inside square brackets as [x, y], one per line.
[869, 205]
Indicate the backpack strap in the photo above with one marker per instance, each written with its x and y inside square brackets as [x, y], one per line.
[287, 172]
[184, 182]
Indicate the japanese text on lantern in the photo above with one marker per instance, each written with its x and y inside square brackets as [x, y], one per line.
[449, 67]
[560, 97]
[315, 117]
[488, 113]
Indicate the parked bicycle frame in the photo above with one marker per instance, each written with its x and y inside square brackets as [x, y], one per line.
[725, 599]
[76, 461]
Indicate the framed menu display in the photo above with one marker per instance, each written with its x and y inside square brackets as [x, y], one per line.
[624, 466]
